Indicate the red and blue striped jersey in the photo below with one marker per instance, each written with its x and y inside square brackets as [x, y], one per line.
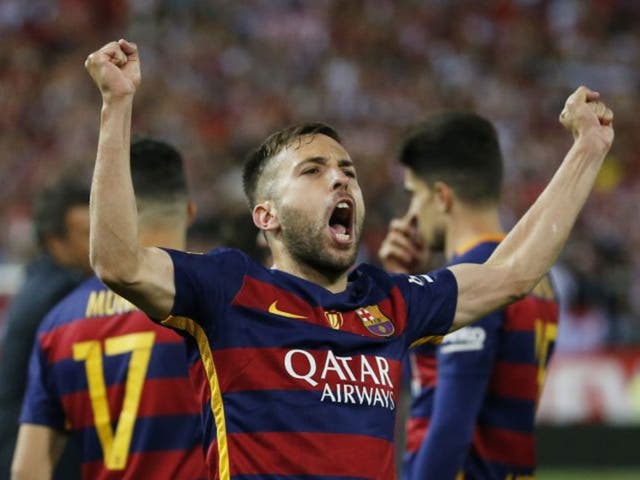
[475, 395]
[119, 384]
[296, 381]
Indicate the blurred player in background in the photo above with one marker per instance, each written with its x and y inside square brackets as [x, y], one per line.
[106, 374]
[61, 224]
[474, 395]
[300, 364]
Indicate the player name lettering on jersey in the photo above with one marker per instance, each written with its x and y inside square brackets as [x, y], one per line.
[467, 339]
[105, 302]
[357, 380]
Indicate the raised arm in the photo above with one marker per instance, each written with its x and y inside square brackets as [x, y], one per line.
[142, 275]
[532, 246]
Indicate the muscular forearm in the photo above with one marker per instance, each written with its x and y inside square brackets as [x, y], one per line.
[114, 231]
[533, 245]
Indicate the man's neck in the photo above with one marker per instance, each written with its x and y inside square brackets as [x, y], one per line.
[287, 264]
[469, 226]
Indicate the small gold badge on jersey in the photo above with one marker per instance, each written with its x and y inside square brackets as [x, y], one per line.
[375, 321]
[335, 319]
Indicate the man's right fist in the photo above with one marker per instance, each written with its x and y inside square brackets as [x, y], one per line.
[115, 69]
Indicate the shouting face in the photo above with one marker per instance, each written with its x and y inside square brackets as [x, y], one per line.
[318, 203]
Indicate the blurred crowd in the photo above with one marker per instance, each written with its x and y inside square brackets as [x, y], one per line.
[220, 75]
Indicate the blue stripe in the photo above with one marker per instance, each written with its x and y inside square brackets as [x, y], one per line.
[517, 347]
[72, 307]
[169, 432]
[208, 425]
[295, 411]
[167, 361]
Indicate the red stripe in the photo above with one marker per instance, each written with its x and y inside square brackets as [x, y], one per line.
[211, 459]
[77, 406]
[200, 381]
[517, 380]
[58, 343]
[417, 429]
[259, 295]
[165, 465]
[505, 446]
[426, 370]
[320, 454]
[241, 369]
[522, 315]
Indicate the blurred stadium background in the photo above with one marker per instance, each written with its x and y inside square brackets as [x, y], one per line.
[219, 75]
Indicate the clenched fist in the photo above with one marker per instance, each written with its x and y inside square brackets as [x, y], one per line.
[584, 114]
[115, 69]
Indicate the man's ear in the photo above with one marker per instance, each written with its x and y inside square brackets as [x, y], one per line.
[265, 217]
[443, 196]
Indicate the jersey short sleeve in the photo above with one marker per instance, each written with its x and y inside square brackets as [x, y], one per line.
[205, 284]
[472, 349]
[431, 305]
[41, 405]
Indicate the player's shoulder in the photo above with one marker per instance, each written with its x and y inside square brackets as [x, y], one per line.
[386, 280]
[220, 257]
[371, 273]
[73, 305]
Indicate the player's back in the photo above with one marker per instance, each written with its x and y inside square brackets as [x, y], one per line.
[119, 384]
[510, 349]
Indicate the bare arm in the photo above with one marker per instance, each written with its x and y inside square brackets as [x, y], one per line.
[530, 249]
[37, 452]
[142, 275]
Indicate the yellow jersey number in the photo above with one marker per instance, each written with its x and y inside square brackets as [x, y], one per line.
[115, 447]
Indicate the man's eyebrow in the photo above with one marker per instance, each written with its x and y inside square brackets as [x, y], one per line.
[344, 162]
[318, 160]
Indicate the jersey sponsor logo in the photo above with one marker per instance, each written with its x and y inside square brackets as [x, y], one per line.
[420, 279]
[334, 319]
[273, 308]
[357, 380]
[375, 321]
[467, 339]
[105, 302]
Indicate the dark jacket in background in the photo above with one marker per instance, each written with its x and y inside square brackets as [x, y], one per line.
[46, 283]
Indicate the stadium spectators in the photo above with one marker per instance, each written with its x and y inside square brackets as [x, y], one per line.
[369, 68]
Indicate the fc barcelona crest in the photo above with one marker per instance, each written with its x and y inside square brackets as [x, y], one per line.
[335, 319]
[375, 321]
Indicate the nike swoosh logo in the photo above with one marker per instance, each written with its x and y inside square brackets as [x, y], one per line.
[273, 308]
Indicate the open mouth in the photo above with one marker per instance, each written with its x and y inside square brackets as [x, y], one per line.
[341, 222]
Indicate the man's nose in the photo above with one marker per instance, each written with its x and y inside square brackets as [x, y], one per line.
[339, 178]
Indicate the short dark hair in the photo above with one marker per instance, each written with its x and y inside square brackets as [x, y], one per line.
[157, 171]
[259, 158]
[460, 149]
[51, 206]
